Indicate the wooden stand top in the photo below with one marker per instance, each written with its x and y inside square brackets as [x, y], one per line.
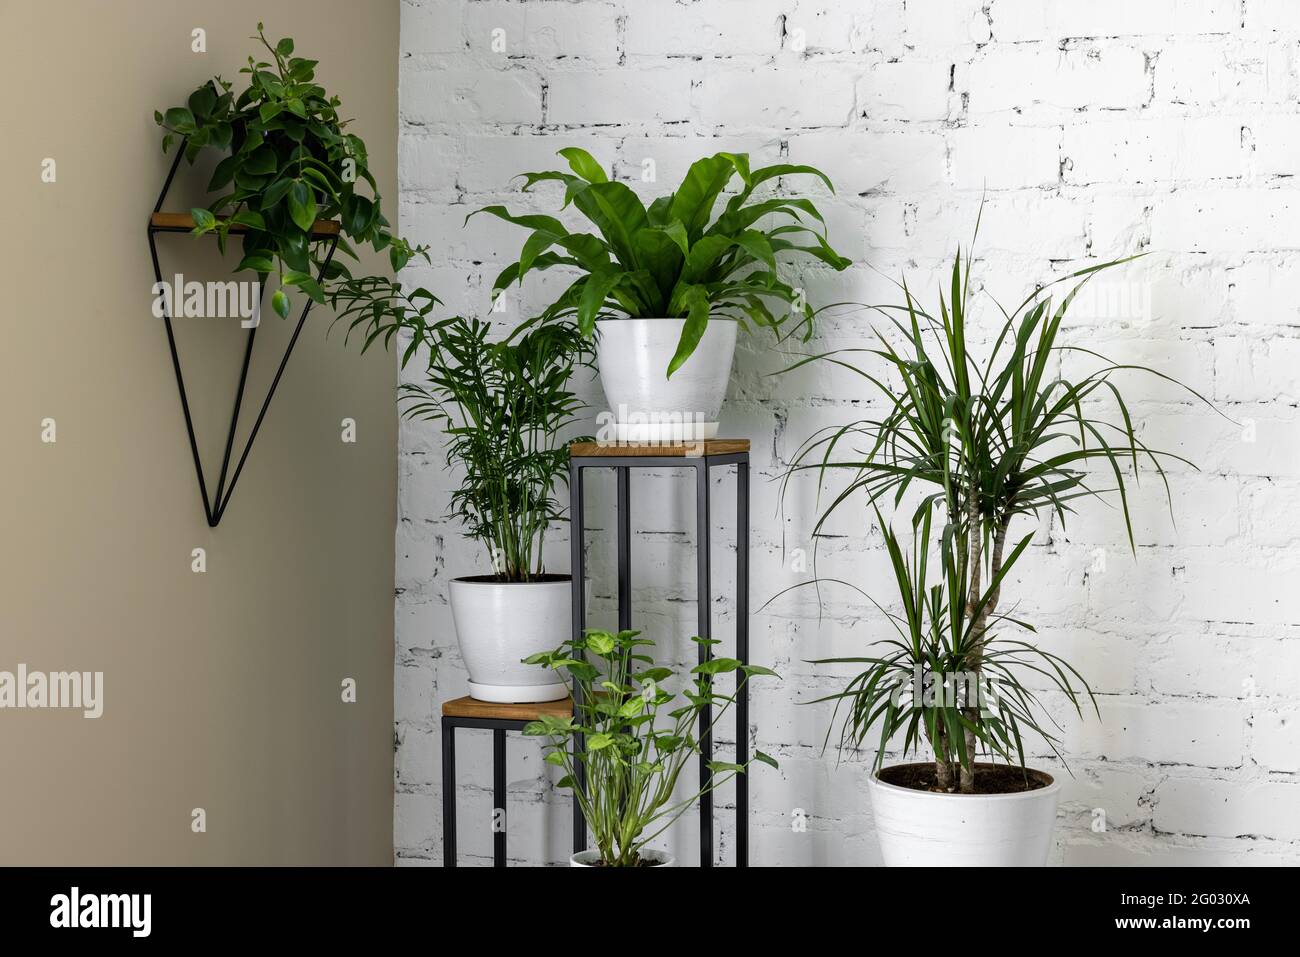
[468, 707]
[177, 222]
[658, 449]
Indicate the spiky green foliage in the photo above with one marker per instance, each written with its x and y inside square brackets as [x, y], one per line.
[983, 442]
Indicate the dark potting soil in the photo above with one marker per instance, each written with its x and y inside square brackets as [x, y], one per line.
[497, 580]
[989, 778]
[640, 862]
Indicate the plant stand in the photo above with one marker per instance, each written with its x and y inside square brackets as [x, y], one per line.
[702, 457]
[471, 713]
[214, 506]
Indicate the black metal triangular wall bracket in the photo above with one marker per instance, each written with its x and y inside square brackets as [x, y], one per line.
[215, 507]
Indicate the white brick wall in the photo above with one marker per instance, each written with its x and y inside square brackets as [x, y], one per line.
[1097, 129]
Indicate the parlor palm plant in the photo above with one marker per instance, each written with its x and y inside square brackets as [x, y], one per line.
[503, 406]
[982, 443]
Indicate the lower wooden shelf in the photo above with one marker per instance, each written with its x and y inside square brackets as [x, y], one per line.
[468, 707]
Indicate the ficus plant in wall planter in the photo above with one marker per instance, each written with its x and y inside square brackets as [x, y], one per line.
[501, 405]
[288, 161]
[982, 444]
[664, 288]
[624, 749]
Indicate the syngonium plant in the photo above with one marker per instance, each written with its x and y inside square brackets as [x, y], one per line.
[635, 736]
[983, 443]
[288, 161]
[675, 258]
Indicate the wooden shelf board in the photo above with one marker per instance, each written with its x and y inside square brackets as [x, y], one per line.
[184, 222]
[468, 707]
[658, 450]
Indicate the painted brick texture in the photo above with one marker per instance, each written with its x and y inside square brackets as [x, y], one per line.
[1092, 131]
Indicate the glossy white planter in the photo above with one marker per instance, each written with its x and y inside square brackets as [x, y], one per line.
[924, 829]
[633, 357]
[498, 624]
[590, 857]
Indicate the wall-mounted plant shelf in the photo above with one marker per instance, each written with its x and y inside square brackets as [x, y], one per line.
[214, 506]
[184, 222]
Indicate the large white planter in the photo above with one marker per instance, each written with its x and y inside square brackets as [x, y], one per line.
[925, 829]
[498, 624]
[633, 357]
[589, 858]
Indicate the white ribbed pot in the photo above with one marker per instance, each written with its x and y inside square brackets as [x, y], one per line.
[591, 858]
[633, 357]
[926, 829]
[498, 624]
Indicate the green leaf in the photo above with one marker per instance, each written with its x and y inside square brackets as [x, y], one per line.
[202, 100]
[677, 233]
[275, 192]
[582, 163]
[258, 262]
[765, 759]
[203, 220]
[617, 213]
[261, 162]
[716, 666]
[302, 206]
[599, 741]
[249, 218]
[180, 119]
[356, 214]
[697, 319]
[284, 47]
[594, 292]
[600, 642]
[306, 283]
[693, 202]
[223, 174]
[280, 303]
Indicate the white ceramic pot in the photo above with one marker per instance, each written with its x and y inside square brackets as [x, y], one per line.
[633, 357]
[590, 857]
[498, 624]
[925, 829]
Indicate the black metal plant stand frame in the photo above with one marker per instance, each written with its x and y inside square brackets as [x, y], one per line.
[498, 727]
[214, 507]
[623, 464]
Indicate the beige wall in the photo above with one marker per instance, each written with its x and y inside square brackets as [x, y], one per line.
[222, 690]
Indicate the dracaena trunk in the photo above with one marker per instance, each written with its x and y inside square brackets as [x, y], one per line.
[979, 628]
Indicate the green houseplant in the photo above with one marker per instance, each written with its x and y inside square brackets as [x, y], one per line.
[632, 738]
[981, 443]
[288, 160]
[666, 285]
[502, 406]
